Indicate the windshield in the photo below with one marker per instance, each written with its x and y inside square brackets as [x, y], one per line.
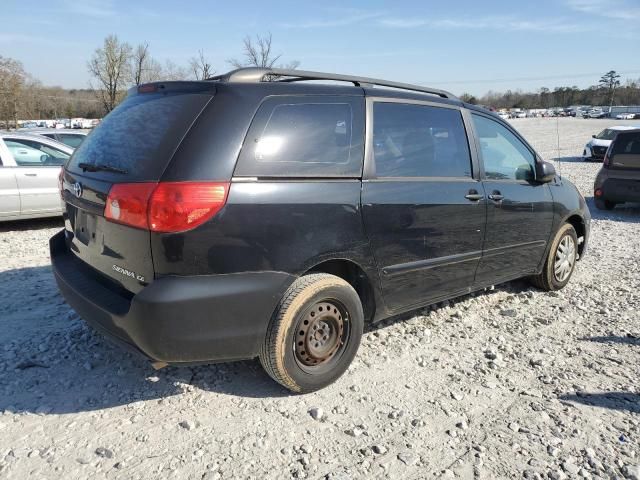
[606, 134]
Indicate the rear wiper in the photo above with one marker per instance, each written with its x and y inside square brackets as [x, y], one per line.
[90, 167]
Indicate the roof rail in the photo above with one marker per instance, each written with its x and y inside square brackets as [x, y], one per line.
[257, 74]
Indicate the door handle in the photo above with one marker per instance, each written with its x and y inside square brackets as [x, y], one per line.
[30, 174]
[473, 195]
[496, 196]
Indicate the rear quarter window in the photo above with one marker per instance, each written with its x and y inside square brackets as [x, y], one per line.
[304, 137]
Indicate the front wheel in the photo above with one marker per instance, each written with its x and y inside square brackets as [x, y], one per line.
[314, 333]
[560, 261]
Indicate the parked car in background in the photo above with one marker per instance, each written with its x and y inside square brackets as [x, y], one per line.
[29, 173]
[346, 204]
[70, 137]
[618, 180]
[597, 147]
[598, 113]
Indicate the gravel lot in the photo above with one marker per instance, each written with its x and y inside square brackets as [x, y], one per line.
[507, 383]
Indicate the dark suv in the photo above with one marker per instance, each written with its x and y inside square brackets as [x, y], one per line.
[261, 214]
[618, 180]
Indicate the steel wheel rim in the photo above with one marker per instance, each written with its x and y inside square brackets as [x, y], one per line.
[321, 335]
[565, 258]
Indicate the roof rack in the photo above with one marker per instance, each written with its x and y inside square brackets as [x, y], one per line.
[257, 74]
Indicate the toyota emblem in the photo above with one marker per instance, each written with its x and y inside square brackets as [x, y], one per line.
[77, 189]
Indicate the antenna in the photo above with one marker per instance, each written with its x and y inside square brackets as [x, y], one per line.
[558, 146]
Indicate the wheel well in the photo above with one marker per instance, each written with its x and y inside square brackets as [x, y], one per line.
[356, 277]
[578, 225]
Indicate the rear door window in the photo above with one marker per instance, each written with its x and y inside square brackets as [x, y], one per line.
[70, 139]
[140, 135]
[29, 153]
[419, 141]
[305, 137]
[625, 152]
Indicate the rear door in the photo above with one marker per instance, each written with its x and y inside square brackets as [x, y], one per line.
[133, 144]
[423, 205]
[37, 169]
[9, 193]
[520, 210]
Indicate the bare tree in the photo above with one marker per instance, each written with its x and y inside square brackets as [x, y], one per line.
[171, 71]
[111, 68]
[140, 62]
[200, 67]
[144, 68]
[610, 81]
[12, 80]
[258, 54]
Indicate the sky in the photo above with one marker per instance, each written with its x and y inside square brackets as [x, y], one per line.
[457, 45]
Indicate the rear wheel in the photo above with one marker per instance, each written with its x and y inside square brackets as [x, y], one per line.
[560, 262]
[314, 333]
[602, 204]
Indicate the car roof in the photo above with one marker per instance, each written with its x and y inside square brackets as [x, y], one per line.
[37, 138]
[71, 131]
[260, 82]
[622, 127]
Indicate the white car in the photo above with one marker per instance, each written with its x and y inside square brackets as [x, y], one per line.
[597, 147]
[626, 116]
[29, 170]
[71, 138]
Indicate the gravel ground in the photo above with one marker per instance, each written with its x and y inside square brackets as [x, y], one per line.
[507, 383]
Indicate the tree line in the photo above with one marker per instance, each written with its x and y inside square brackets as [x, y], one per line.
[608, 91]
[114, 67]
[117, 65]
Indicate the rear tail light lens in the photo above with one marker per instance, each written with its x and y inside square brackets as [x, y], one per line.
[166, 206]
[128, 203]
[179, 206]
[598, 192]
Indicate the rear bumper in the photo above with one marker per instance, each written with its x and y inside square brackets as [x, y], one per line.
[621, 190]
[197, 319]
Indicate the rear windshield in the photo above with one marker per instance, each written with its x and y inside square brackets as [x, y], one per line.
[140, 135]
[625, 152]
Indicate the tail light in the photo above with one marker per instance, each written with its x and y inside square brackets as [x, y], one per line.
[128, 203]
[166, 206]
[598, 193]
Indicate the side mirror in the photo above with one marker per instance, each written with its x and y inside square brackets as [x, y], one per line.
[593, 136]
[545, 172]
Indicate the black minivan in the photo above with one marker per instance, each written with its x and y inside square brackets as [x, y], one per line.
[269, 213]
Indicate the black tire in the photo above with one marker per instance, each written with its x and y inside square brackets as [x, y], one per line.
[316, 308]
[602, 204]
[547, 279]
